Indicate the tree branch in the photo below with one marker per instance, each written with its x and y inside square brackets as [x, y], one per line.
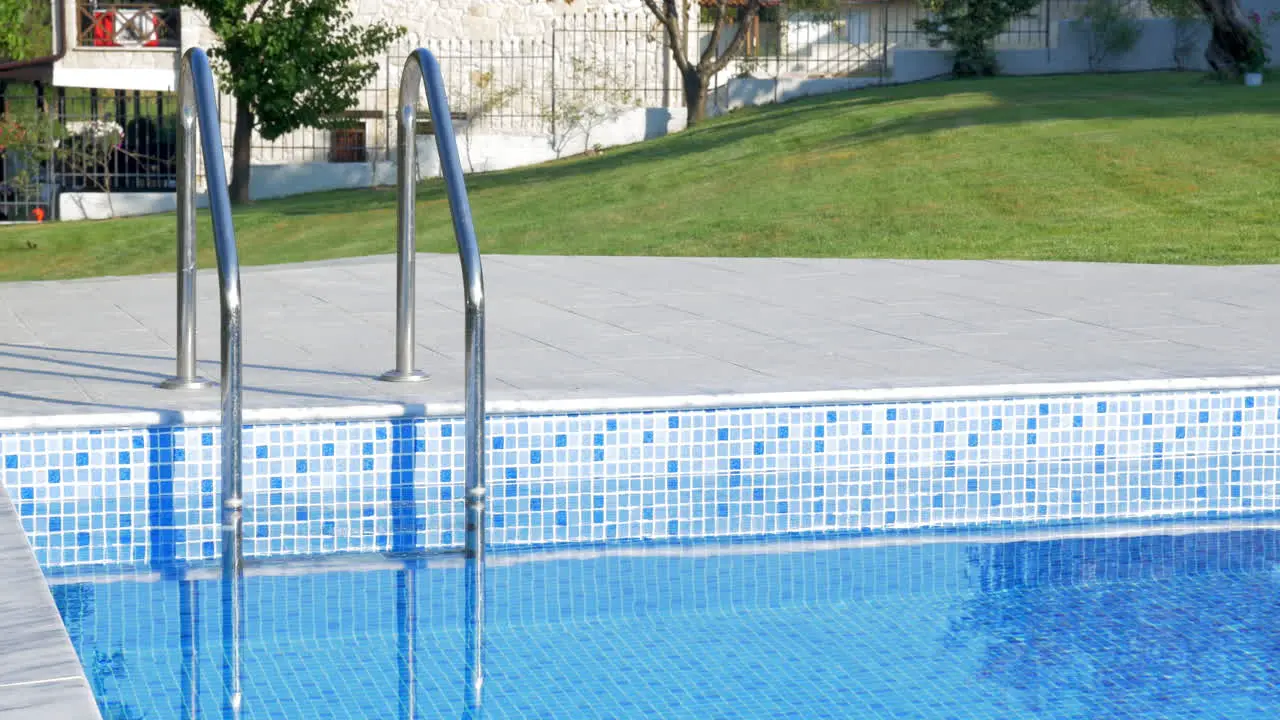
[745, 15]
[686, 8]
[666, 16]
[258, 11]
[713, 45]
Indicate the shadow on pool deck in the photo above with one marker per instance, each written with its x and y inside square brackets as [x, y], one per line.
[122, 373]
[566, 328]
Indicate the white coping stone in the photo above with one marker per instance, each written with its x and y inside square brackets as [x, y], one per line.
[201, 418]
[40, 678]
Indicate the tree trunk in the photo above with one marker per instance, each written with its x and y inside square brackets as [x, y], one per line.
[1229, 45]
[240, 154]
[695, 97]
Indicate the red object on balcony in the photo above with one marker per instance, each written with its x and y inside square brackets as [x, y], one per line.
[154, 30]
[144, 25]
[104, 28]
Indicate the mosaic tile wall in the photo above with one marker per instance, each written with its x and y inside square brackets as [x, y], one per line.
[150, 495]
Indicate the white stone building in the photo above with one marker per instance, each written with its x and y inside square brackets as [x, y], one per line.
[134, 45]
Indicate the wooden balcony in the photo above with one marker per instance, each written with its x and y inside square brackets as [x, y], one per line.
[128, 25]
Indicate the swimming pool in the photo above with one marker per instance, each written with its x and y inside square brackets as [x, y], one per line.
[1122, 621]
[902, 557]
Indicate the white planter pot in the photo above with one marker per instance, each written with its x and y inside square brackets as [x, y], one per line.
[1253, 79]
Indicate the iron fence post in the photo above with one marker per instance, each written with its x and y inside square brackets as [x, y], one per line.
[554, 31]
[884, 42]
[1048, 30]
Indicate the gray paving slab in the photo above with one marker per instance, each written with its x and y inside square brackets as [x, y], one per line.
[316, 334]
[40, 676]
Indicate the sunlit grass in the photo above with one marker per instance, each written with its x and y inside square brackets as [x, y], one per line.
[1151, 167]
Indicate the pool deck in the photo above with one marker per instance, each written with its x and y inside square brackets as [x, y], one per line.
[40, 676]
[576, 328]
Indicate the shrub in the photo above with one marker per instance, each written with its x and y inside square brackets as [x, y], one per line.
[1113, 29]
[970, 27]
[1257, 56]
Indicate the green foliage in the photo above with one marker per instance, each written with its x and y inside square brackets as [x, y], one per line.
[26, 29]
[297, 63]
[29, 140]
[1176, 9]
[1113, 29]
[970, 28]
[817, 6]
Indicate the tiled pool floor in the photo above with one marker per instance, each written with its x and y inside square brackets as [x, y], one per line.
[1175, 627]
[592, 327]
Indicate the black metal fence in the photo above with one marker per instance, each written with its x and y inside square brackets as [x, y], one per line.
[539, 85]
[1036, 30]
[82, 140]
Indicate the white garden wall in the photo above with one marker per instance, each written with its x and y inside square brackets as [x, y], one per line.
[480, 153]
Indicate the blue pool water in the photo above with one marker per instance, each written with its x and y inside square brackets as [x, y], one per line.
[1165, 624]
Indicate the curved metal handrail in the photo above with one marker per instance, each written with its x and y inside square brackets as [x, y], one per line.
[199, 106]
[422, 69]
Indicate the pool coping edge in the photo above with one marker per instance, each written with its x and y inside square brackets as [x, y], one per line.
[657, 403]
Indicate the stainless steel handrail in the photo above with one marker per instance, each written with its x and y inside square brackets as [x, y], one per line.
[196, 95]
[406, 228]
[422, 69]
[186, 377]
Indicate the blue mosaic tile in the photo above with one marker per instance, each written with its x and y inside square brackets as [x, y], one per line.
[361, 486]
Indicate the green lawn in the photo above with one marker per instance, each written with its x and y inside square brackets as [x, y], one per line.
[1152, 167]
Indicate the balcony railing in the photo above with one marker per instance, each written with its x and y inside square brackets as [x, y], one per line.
[128, 25]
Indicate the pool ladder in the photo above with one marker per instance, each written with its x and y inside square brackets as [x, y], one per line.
[199, 111]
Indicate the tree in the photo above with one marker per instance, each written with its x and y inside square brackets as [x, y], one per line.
[970, 28]
[1231, 44]
[288, 64]
[696, 74]
[26, 29]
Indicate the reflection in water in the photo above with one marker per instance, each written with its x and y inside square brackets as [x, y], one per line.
[1166, 627]
[1149, 625]
[474, 619]
[189, 619]
[406, 592]
[105, 669]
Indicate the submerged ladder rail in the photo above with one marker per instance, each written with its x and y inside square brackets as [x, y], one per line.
[422, 70]
[199, 112]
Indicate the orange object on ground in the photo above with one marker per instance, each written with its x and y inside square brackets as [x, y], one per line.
[38, 213]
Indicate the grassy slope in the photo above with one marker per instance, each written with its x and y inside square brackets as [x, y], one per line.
[1154, 167]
